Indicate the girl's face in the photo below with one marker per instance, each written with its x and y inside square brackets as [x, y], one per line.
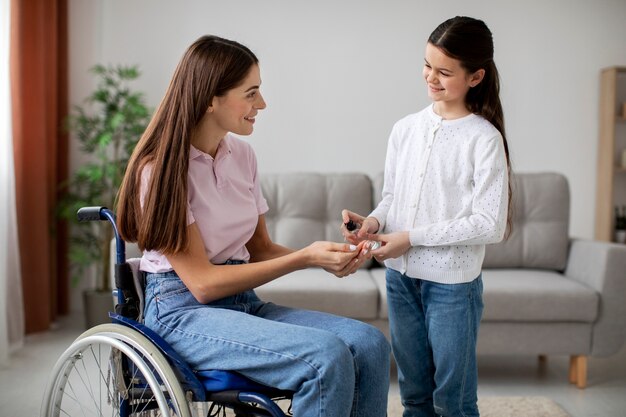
[236, 110]
[448, 82]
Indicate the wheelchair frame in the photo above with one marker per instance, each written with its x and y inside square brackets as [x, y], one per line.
[126, 369]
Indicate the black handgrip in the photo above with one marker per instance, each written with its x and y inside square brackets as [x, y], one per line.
[228, 397]
[86, 214]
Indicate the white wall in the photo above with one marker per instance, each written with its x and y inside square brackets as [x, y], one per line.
[338, 73]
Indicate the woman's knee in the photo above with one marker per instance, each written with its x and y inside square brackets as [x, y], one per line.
[335, 366]
[372, 344]
[335, 352]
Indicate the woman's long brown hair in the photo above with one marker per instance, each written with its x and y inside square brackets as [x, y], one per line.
[470, 41]
[210, 67]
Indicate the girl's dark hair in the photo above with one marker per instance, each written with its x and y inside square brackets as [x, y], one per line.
[209, 67]
[469, 41]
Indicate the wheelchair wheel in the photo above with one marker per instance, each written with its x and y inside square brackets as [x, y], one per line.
[113, 370]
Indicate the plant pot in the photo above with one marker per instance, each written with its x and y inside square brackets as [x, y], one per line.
[620, 235]
[96, 305]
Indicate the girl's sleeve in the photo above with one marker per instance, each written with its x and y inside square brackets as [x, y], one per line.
[487, 221]
[389, 179]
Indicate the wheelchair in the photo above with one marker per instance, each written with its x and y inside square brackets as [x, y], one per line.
[125, 369]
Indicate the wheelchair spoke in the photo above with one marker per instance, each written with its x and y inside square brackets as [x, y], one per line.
[139, 392]
[88, 382]
[76, 400]
[85, 386]
[114, 371]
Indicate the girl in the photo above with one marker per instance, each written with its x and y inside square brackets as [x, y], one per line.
[192, 201]
[445, 196]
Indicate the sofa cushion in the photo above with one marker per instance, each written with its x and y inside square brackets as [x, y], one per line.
[540, 225]
[355, 296]
[306, 207]
[536, 296]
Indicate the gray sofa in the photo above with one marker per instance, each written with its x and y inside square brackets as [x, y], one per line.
[544, 293]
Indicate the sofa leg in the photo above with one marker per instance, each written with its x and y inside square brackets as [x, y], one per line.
[578, 370]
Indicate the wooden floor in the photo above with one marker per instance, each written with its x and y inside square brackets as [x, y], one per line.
[23, 381]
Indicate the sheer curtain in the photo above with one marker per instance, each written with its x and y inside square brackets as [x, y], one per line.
[11, 308]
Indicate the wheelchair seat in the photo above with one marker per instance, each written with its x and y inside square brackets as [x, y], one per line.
[126, 369]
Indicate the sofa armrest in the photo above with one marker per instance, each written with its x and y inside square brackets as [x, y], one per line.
[602, 266]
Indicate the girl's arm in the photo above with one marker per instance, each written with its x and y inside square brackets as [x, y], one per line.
[380, 212]
[486, 223]
[208, 282]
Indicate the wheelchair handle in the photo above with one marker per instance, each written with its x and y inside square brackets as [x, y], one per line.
[86, 214]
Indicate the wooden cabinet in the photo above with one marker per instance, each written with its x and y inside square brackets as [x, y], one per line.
[611, 173]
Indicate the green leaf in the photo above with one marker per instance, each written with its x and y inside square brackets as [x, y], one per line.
[98, 69]
[104, 139]
[117, 119]
[101, 95]
[128, 73]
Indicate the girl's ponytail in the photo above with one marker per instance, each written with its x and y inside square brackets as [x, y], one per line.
[484, 99]
[470, 41]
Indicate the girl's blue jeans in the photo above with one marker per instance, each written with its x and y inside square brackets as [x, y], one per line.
[434, 328]
[335, 366]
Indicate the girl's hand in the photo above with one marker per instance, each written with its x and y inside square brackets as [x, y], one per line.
[394, 245]
[364, 225]
[340, 259]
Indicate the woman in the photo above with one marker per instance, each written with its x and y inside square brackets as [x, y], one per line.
[191, 199]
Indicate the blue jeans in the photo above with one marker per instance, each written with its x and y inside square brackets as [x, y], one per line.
[335, 366]
[434, 328]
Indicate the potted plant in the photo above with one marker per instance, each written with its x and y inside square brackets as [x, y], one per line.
[107, 128]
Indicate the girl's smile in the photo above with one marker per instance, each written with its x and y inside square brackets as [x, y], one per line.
[448, 82]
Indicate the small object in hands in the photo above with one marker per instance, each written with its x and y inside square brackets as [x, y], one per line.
[351, 226]
[374, 244]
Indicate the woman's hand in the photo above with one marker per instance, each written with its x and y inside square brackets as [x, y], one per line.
[340, 259]
[393, 245]
[364, 226]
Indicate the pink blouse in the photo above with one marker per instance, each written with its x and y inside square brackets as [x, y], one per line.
[225, 202]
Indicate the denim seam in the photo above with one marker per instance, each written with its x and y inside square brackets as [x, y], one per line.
[470, 313]
[355, 401]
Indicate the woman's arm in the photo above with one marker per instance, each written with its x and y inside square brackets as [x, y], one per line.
[208, 282]
[261, 247]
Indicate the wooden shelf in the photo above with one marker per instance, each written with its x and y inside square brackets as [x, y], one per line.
[610, 178]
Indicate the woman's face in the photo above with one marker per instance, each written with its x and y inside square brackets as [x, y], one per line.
[236, 110]
[448, 82]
